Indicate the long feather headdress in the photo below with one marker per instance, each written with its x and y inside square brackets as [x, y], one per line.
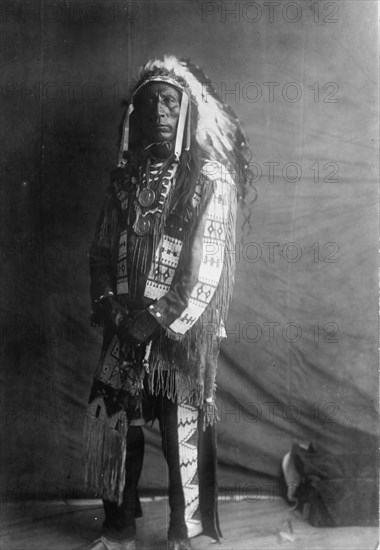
[218, 132]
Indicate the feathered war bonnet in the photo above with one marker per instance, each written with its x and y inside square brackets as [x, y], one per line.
[218, 132]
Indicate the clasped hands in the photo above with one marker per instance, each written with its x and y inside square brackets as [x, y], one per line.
[131, 327]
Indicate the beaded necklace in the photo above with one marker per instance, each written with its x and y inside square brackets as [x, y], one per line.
[151, 201]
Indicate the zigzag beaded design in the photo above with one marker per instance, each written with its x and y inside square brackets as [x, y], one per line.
[188, 457]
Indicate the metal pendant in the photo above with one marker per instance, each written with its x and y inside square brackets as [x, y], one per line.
[147, 197]
[142, 226]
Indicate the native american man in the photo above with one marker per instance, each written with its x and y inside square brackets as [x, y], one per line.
[162, 270]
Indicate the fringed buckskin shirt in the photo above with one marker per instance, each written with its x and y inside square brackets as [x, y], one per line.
[181, 271]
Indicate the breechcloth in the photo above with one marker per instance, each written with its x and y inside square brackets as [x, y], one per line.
[179, 432]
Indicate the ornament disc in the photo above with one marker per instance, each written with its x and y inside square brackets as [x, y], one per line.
[147, 197]
[142, 226]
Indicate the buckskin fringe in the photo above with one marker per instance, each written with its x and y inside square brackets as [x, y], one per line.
[166, 381]
[200, 375]
[210, 414]
[105, 451]
[163, 380]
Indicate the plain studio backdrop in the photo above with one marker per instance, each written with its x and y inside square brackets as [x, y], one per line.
[300, 362]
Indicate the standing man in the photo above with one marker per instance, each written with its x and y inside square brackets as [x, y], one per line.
[162, 271]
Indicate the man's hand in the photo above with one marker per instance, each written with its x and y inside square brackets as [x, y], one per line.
[112, 312]
[125, 176]
[138, 327]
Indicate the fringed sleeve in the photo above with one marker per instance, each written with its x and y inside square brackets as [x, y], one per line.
[205, 273]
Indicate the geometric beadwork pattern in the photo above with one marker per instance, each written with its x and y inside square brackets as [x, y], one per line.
[165, 185]
[97, 409]
[108, 370]
[163, 267]
[122, 279]
[214, 236]
[188, 458]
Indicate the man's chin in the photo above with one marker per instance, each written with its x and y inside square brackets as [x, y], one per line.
[162, 135]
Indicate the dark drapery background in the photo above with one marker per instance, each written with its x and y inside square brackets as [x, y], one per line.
[301, 358]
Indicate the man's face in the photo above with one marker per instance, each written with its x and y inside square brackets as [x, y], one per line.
[157, 108]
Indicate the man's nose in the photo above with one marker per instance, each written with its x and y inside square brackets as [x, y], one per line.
[159, 109]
